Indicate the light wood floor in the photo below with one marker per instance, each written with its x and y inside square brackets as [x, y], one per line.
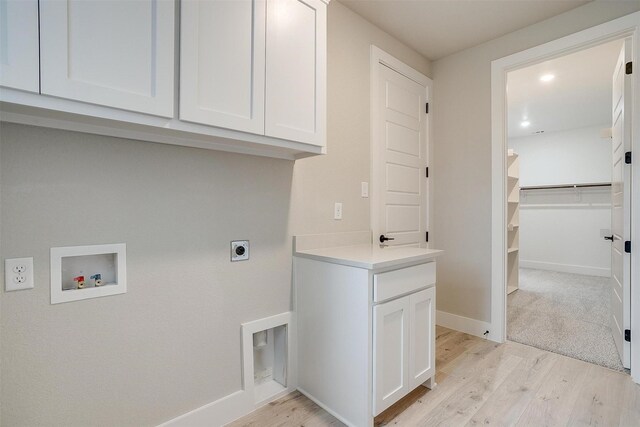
[483, 383]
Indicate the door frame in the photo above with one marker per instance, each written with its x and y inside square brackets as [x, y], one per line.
[379, 56]
[625, 27]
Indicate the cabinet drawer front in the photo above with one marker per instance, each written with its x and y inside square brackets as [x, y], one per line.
[398, 282]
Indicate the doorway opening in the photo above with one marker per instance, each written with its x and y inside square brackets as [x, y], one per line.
[567, 280]
[625, 28]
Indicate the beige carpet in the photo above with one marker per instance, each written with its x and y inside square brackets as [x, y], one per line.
[563, 313]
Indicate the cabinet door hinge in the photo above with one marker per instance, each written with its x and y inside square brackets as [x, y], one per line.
[627, 335]
[427, 172]
[427, 108]
[628, 68]
[627, 246]
[427, 236]
[627, 157]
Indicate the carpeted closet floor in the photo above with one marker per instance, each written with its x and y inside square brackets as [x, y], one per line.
[563, 313]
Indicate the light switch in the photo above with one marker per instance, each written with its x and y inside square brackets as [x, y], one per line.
[365, 190]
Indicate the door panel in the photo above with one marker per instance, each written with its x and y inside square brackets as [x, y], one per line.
[222, 83]
[114, 53]
[390, 355]
[422, 329]
[19, 46]
[295, 79]
[620, 207]
[400, 159]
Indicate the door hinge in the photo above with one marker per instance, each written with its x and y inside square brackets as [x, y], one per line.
[627, 335]
[627, 246]
[427, 172]
[627, 157]
[427, 107]
[628, 68]
[426, 236]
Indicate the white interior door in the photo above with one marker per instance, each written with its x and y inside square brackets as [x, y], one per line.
[400, 156]
[621, 207]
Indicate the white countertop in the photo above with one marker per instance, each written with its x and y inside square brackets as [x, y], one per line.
[371, 257]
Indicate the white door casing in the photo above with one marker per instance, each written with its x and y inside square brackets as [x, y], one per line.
[296, 39]
[400, 152]
[113, 53]
[222, 63]
[621, 206]
[19, 45]
[390, 353]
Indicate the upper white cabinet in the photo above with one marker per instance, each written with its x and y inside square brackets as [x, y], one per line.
[296, 70]
[19, 62]
[222, 51]
[111, 53]
[255, 66]
[252, 72]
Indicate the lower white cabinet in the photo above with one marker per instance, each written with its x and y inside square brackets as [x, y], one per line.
[365, 334]
[403, 351]
[390, 352]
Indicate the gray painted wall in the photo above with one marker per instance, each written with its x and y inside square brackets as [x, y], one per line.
[462, 154]
[172, 343]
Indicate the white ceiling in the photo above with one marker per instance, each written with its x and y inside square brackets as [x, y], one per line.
[437, 28]
[579, 95]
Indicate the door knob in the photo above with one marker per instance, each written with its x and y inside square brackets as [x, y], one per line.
[384, 239]
[609, 237]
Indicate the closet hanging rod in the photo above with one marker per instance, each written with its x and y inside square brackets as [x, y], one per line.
[567, 186]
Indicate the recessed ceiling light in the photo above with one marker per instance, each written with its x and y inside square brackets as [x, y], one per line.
[547, 77]
[525, 123]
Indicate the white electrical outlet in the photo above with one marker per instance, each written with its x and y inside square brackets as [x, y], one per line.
[239, 250]
[337, 211]
[18, 274]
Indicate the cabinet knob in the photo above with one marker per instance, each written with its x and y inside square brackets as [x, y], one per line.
[384, 239]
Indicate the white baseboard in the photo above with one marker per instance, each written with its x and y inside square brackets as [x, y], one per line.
[463, 324]
[217, 413]
[566, 268]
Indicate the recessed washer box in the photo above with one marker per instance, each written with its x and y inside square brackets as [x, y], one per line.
[102, 269]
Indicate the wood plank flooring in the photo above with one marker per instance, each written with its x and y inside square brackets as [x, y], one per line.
[483, 383]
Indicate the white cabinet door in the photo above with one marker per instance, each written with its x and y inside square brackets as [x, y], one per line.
[114, 53]
[422, 315]
[19, 62]
[222, 63]
[390, 353]
[296, 70]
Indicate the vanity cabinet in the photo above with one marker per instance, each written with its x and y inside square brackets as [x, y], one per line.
[19, 45]
[115, 54]
[365, 327]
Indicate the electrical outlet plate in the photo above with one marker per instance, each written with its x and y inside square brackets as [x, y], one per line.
[239, 250]
[337, 210]
[18, 274]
